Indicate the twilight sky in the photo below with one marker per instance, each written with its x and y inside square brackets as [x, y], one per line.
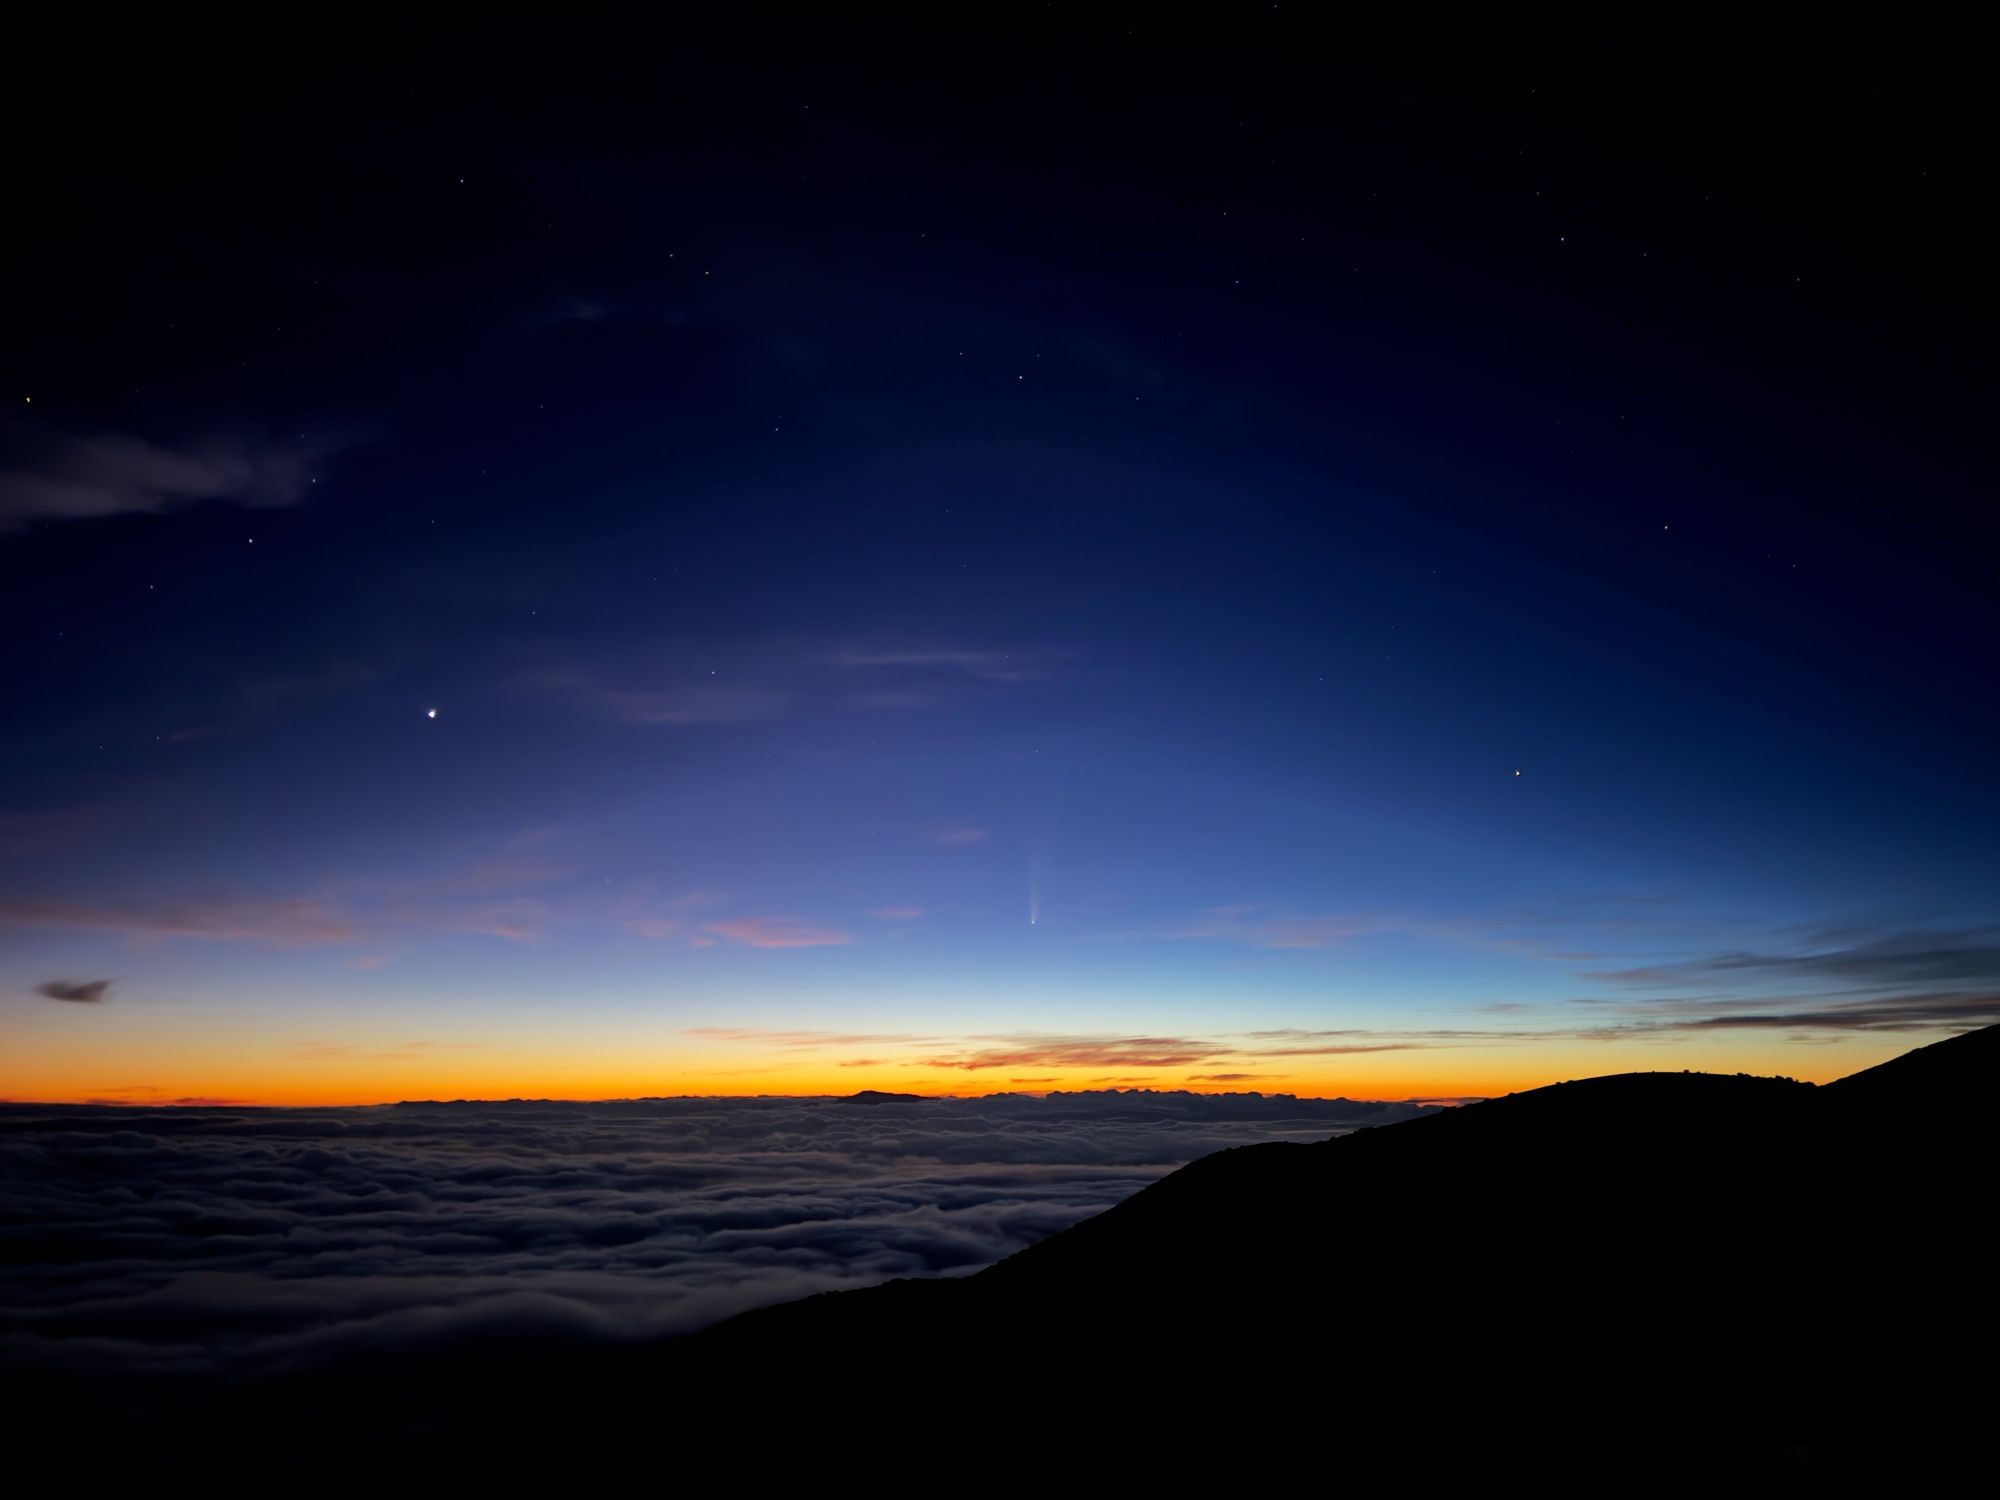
[1231, 557]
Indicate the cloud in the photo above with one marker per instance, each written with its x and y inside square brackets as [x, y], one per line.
[986, 665]
[681, 698]
[954, 838]
[1922, 1012]
[1894, 959]
[897, 913]
[284, 923]
[213, 1241]
[59, 476]
[1080, 1052]
[647, 915]
[77, 991]
[1224, 1077]
[777, 932]
[262, 701]
[1340, 1049]
[865, 1062]
[1844, 979]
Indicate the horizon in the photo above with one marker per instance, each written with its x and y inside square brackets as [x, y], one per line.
[139, 1100]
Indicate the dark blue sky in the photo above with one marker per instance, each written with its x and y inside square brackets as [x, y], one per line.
[1417, 571]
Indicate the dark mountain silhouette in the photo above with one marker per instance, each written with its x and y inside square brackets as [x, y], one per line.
[1644, 1283]
[877, 1096]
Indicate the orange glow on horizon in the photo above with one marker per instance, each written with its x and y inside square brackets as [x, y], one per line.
[176, 1072]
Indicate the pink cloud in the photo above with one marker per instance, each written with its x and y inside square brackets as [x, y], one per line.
[777, 932]
[516, 921]
[956, 837]
[1083, 1052]
[897, 913]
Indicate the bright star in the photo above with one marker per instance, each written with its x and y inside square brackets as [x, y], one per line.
[431, 713]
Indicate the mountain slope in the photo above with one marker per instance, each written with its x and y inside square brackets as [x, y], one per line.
[1655, 1276]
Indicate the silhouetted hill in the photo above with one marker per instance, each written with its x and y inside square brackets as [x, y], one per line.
[1646, 1281]
[877, 1096]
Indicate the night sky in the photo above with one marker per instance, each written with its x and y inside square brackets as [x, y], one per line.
[1033, 552]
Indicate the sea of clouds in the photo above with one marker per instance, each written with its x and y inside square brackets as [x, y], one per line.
[210, 1241]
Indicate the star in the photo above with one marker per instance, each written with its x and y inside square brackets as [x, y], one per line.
[431, 713]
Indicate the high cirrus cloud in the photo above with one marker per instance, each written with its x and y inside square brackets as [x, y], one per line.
[60, 476]
[240, 1241]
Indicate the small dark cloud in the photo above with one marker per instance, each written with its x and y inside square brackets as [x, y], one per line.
[77, 991]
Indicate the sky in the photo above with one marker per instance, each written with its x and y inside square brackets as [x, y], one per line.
[1105, 553]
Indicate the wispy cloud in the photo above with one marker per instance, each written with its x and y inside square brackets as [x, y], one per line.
[986, 665]
[262, 701]
[520, 920]
[1891, 959]
[897, 913]
[1838, 979]
[1261, 927]
[958, 838]
[63, 476]
[283, 923]
[777, 932]
[683, 698]
[1029, 1051]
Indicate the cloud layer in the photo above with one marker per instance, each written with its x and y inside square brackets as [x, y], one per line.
[238, 1241]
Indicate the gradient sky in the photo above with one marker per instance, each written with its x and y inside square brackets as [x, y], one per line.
[1108, 556]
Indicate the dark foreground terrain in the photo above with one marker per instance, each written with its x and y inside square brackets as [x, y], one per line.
[1651, 1282]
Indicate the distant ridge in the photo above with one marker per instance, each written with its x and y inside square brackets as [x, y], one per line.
[877, 1096]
